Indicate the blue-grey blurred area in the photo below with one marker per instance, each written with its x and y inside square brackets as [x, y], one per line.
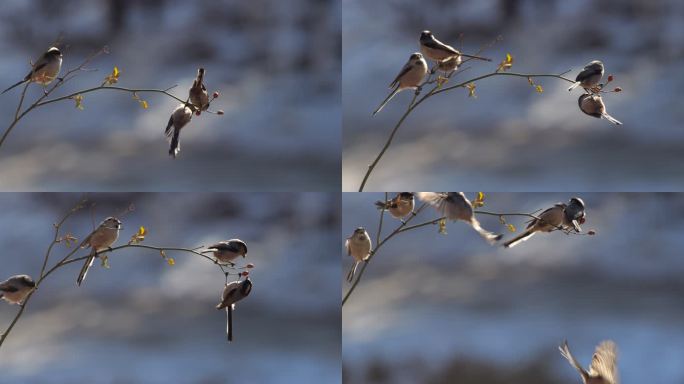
[511, 138]
[275, 63]
[435, 308]
[144, 321]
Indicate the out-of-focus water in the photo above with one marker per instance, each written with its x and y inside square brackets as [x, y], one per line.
[433, 299]
[143, 321]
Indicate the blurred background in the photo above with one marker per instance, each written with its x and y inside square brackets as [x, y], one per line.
[511, 138]
[449, 308]
[143, 321]
[276, 65]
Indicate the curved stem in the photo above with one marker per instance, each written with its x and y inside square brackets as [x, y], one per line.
[437, 90]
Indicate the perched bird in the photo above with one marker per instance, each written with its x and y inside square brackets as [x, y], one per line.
[455, 206]
[438, 51]
[603, 369]
[232, 293]
[358, 246]
[589, 77]
[15, 289]
[198, 92]
[449, 64]
[553, 219]
[99, 240]
[410, 77]
[45, 69]
[575, 214]
[227, 251]
[179, 118]
[592, 105]
[400, 206]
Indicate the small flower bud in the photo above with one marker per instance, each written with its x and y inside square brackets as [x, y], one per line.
[216, 95]
[610, 78]
[582, 220]
[219, 112]
[245, 273]
[250, 266]
[617, 89]
[591, 233]
[198, 112]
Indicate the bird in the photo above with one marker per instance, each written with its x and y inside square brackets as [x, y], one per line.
[456, 206]
[592, 105]
[198, 92]
[227, 251]
[232, 293]
[399, 206]
[15, 289]
[552, 219]
[99, 240]
[436, 50]
[179, 118]
[590, 76]
[603, 369]
[358, 246]
[410, 77]
[45, 69]
[450, 64]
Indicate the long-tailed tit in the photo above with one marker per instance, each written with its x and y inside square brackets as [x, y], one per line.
[198, 92]
[227, 251]
[449, 64]
[99, 240]
[592, 105]
[455, 206]
[44, 70]
[410, 77]
[399, 206]
[15, 289]
[552, 219]
[603, 369]
[179, 118]
[232, 293]
[589, 77]
[438, 51]
[358, 246]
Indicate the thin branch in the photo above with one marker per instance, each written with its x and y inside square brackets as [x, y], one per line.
[103, 87]
[437, 89]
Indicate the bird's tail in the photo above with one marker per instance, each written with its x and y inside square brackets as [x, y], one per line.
[14, 86]
[565, 352]
[575, 85]
[381, 204]
[611, 119]
[475, 57]
[391, 95]
[518, 239]
[229, 322]
[490, 237]
[174, 148]
[86, 266]
[352, 271]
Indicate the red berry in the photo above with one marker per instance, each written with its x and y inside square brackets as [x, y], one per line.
[610, 78]
[219, 112]
[617, 89]
[250, 265]
[591, 233]
[216, 95]
[198, 113]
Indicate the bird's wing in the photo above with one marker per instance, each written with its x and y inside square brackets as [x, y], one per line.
[588, 72]
[7, 287]
[407, 67]
[604, 362]
[440, 46]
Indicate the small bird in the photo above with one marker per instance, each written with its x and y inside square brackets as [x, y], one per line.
[227, 251]
[592, 105]
[455, 206]
[575, 214]
[400, 206]
[99, 240]
[232, 293]
[438, 51]
[358, 246]
[603, 369]
[45, 69]
[15, 289]
[589, 77]
[179, 118]
[410, 77]
[449, 64]
[198, 92]
[552, 219]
